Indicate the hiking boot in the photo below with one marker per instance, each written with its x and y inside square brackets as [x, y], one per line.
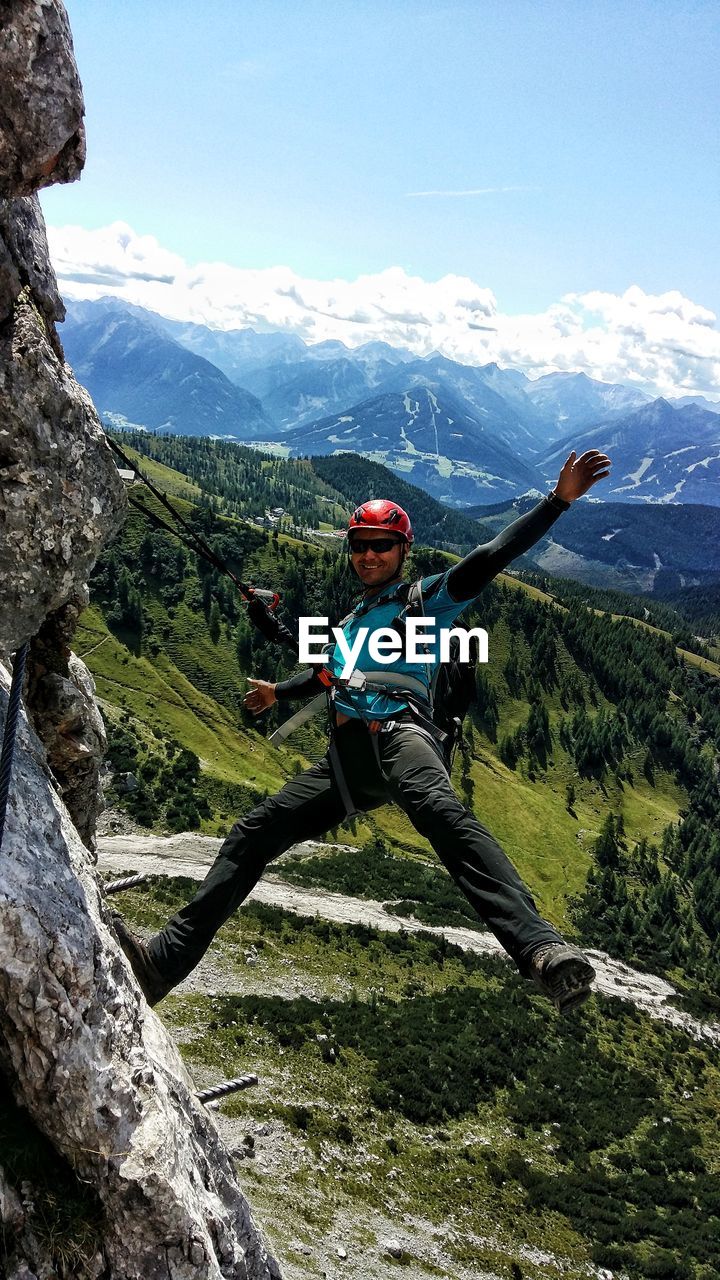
[151, 982]
[563, 973]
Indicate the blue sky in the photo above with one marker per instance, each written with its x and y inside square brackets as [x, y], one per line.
[298, 134]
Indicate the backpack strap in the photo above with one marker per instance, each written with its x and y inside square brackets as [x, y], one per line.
[414, 603]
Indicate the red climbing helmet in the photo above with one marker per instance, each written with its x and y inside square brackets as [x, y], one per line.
[381, 514]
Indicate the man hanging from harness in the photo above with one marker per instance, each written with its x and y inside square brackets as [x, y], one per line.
[386, 744]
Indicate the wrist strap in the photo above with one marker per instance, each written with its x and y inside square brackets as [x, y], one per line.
[558, 504]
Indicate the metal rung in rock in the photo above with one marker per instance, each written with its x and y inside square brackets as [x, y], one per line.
[230, 1086]
[116, 886]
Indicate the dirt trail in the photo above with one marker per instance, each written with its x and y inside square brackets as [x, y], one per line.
[191, 855]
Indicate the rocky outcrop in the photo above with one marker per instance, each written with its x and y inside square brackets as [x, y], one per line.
[24, 263]
[43, 136]
[61, 496]
[88, 1064]
[93, 1065]
[61, 704]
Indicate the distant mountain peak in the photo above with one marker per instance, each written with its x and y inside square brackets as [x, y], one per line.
[136, 371]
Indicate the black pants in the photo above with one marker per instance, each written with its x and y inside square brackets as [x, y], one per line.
[415, 777]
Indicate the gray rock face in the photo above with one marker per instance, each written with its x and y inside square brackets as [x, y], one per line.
[94, 1066]
[61, 703]
[24, 260]
[12, 1214]
[79, 1047]
[61, 497]
[42, 139]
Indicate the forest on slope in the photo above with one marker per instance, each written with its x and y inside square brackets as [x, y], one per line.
[313, 492]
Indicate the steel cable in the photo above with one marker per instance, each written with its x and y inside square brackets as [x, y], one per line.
[9, 734]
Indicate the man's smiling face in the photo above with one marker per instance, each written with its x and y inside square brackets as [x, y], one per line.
[377, 557]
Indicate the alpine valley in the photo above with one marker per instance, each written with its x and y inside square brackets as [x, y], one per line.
[405, 1102]
[466, 435]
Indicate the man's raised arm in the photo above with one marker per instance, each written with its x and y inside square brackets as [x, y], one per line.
[480, 566]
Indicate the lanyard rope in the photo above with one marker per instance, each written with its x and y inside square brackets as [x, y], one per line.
[198, 544]
[261, 604]
[11, 722]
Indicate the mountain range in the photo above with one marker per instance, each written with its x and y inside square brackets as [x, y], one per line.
[139, 377]
[425, 435]
[656, 462]
[645, 548]
[465, 434]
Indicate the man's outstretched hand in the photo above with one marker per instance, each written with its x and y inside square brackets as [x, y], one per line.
[260, 697]
[580, 474]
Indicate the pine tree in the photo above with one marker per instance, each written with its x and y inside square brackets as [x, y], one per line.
[607, 846]
[244, 646]
[214, 623]
[537, 734]
[486, 704]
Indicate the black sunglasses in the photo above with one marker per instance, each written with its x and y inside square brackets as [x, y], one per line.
[358, 545]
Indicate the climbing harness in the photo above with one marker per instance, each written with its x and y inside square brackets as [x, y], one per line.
[10, 732]
[389, 682]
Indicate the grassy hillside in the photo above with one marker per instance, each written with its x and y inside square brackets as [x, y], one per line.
[161, 703]
[237, 479]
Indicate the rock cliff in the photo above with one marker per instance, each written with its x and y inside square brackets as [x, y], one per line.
[89, 1076]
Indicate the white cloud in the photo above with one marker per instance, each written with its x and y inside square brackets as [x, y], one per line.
[114, 256]
[666, 343]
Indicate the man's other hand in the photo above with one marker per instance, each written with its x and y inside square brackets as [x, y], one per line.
[260, 697]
